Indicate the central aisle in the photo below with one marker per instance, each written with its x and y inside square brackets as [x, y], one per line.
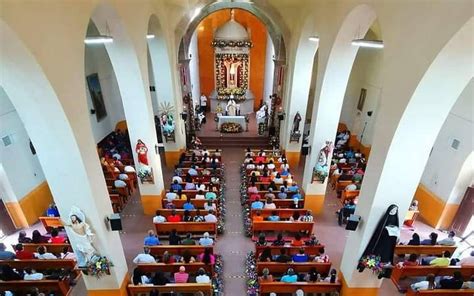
[233, 245]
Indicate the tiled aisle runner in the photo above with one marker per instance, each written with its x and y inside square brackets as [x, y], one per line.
[233, 245]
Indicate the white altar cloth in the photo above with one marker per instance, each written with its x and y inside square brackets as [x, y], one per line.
[237, 119]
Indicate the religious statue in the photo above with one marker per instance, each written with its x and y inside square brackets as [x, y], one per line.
[321, 170]
[296, 123]
[141, 151]
[261, 114]
[219, 109]
[81, 236]
[232, 108]
[378, 254]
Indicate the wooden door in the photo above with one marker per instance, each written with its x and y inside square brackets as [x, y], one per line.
[464, 214]
[6, 224]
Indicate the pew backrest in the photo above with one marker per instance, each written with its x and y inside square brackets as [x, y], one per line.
[279, 287]
[171, 288]
[185, 227]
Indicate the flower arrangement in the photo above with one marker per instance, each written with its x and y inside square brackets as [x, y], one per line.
[145, 174]
[231, 43]
[222, 208]
[218, 279]
[252, 275]
[371, 262]
[98, 266]
[231, 127]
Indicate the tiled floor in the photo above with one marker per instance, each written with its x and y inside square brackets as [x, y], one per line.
[233, 245]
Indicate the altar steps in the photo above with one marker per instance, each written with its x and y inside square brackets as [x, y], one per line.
[237, 141]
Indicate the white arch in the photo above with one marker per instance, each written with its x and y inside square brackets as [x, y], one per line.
[44, 119]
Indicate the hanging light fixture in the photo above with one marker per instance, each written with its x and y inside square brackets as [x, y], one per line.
[150, 36]
[314, 38]
[368, 43]
[100, 39]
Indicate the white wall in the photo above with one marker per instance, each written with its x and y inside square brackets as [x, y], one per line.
[445, 163]
[97, 61]
[365, 74]
[22, 168]
[269, 70]
[151, 82]
[194, 68]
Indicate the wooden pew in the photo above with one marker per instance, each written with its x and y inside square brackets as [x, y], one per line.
[278, 287]
[282, 226]
[174, 267]
[205, 183]
[171, 288]
[51, 222]
[195, 250]
[283, 203]
[348, 195]
[291, 250]
[199, 164]
[180, 212]
[56, 249]
[423, 271]
[283, 213]
[423, 249]
[440, 292]
[185, 227]
[341, 185]
[198, 203]
[280, 268]
[41, 264]
[61, 287]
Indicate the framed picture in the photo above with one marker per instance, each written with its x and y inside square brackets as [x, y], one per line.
[96, 95]
[360, 104]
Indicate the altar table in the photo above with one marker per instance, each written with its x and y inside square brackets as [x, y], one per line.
[236, 119]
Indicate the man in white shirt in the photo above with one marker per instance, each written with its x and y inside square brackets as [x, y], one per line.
[177, 178]
[129, 169]
[32, 275]
[43, 254]
[210, 217]
[202, 277]
[449, 241]
[351, 187]
[203, 102]
[192, 171]
[144, 257]
[170, 196]
[120, 183]
[158, 217]
[206, 240]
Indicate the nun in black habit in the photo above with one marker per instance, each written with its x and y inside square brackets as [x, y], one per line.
[385, 237]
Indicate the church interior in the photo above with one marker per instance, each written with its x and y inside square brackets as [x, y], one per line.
[236, 147]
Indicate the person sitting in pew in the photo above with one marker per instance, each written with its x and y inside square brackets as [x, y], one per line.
[210, 217]
[300, 256]
[313, 276]
[119, 183]
[209, 205]
[257, 217]
[205, 240]
[284, 165]
[282, 194]
[187, 216]
[171, 195]
[144, 257]
[189, 184]
[250, 165]
[32, 275]
[411, 261]
[192, 171]
[167, 258]
[56, 238]
[272, 186]
[210, 195]
[289, 277]
[322, 257]
[188, 205]
[313, 241]
[188, 241]
[128, 169]
[247, 159]
[4, 254]
[266, 255]
[200, 186]
[252, 189]
[296, 195]
[332, 276]
[265, 178]
[266, 276]
[467, 261]
[283, 258]
[452, 282]
[207, 257]
[257, 204]
[297, 242]
[428, 284]
[468, 284]
[274, 217]
[198, 217]
[139, 278]
[269, 204]
[442, 261]
[431, 241]
[177, 178]
[158, 217]
[151, 239]
[42, 253]
[415, 240]
[187, 257]
[9, 274]
[174, 238]
[449, 241]
[202, 277]
[307, 217]
[295, 216]
[22, 238]
[200, 195]
[65, 254]
[181, 276]
[37, 238]
[160, 279]
[351, 187]
[52, 211]
[279, 240]
[176, 186]
[174, 217]
[21, 254]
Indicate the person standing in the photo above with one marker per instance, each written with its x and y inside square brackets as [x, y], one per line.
[203, 101]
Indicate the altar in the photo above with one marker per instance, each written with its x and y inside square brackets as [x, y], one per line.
[245, 106]
[235, 119]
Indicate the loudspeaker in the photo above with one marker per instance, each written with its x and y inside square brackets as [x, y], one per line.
[305, 150]
[352, 222]
[115, 222]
